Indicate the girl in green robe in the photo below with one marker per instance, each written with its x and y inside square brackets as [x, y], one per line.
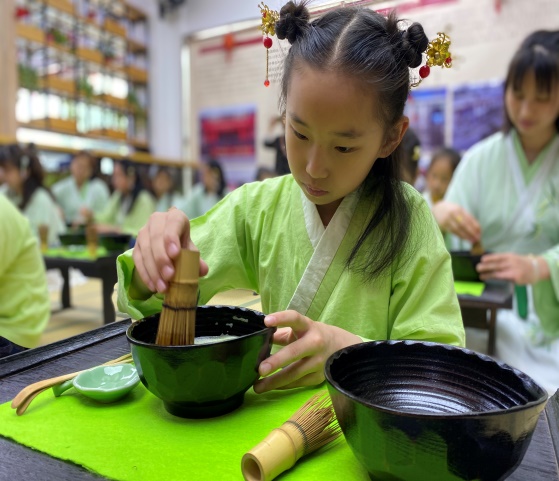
[129, 206]
[24, 177]
[505, 193]
[340, 250]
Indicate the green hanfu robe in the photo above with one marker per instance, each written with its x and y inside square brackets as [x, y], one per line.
[93, 195]
[166, 201]
[267, 237]
[42, 209]
[24, 297]
[517, 206]
[129, 222]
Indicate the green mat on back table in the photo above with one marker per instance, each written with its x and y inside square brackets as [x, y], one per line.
[136, 439]
[470, 288]
[82, 254]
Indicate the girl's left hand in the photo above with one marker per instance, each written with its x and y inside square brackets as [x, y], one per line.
[307, 346]
[508, 267]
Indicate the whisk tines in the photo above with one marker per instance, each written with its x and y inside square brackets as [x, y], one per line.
[178, 315]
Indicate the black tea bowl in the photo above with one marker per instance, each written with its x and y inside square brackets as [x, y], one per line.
[464, 266]
[417, 411]
[72, 239]
[206, 380]
[115, 242]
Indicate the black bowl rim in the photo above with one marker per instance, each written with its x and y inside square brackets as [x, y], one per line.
[364, 345]
[198, 346]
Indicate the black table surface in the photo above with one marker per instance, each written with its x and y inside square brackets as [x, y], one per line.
[495, 295]
[19, 463]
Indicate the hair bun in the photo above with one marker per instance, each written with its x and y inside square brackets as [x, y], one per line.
[414, 43]
[293, 21]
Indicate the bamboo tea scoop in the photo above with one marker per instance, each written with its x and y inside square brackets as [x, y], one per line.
[178, 316]
[23, 399]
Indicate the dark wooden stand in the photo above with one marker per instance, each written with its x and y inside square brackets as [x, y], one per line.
[103, 268]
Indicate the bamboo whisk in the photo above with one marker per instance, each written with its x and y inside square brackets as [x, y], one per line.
[178, 317]
[314, 425]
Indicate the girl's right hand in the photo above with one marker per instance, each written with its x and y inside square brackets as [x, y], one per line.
[456, 220]
[158, 244]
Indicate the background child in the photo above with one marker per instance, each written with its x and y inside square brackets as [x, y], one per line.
[206, 193]
[505, 193]
[24, 176]
[341, 250]
[164, 188]
[130, 205]
[439, 174]
[80, 195]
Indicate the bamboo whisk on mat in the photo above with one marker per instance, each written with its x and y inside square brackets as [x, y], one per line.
[314, 425]
[178, 317]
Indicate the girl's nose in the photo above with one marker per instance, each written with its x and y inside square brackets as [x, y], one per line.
[316, 165]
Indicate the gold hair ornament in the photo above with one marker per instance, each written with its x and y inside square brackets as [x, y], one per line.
[437, 54]
[268, 27]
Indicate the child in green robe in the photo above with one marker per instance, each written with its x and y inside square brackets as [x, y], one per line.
[505, 194]
[340, 250]
[129, 206]
[24, 176]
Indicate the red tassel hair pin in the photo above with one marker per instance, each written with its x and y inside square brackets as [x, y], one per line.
[437, 54]
[268, 27]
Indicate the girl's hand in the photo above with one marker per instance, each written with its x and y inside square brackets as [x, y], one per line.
[456, 220]
[158, 244]
[307, 346]
[519, 269]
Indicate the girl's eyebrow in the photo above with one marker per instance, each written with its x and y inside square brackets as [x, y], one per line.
[348, 134]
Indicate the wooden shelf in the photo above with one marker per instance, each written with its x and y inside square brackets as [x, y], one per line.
[135, 47]
[30, 32]
[113, 101]
[107, 133]
[136, 74]
[89, 55]
[53, 82]
[134, 14]
[63, 5]
[53, 125]
[114, 27]
[77, 55]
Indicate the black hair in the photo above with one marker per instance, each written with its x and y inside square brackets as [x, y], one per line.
[411, 153]
[26, 161]
[131, 168]
[446, 153]
[538, 53]
[213, 164]
[371, 48]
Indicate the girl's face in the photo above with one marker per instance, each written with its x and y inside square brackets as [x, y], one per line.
[532, 112]
[162, 183]
[121, 181]
[81, 169]
[438, 177]
[333, 136]
[211, 178]
[13, 177]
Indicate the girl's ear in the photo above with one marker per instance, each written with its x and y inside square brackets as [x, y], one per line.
[394, 137]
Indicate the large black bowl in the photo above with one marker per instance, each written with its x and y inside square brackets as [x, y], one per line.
[418, 411]
[206, 380]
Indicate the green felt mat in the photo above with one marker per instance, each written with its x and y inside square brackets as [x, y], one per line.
[470, 288]
[75, 253]
[136, 439]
